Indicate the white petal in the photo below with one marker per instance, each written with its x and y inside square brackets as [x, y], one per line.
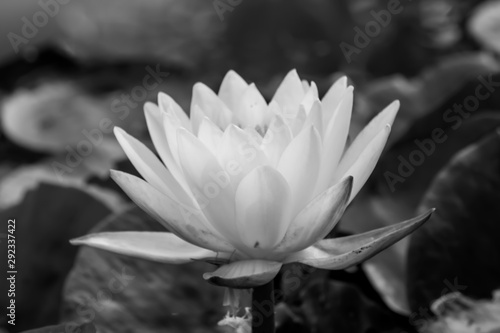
[244, 274]
[363, 166]
[335, 138]
[251, 110]
[305, 85]
[254, 135]
[296, 123]
[210, 135]
[274, 109]
[196, 117]
[185, 221]
[210, 184]
[149, 166]
[163, 247]
[315, 117]
[211, 104]
[371, 130]
[168, 104]
[239, 154]
[310, 97]
[299, 164]
[290, 93]
[231, 89]
[344, 252]
[277, 138]
[171, 125]
[332, 98]
[317, 219]
[154, 119]
[262, 201]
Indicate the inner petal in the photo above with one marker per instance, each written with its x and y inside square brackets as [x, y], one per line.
[239, 154]
[252, 109]
[210, 184]
[299, 164]
[277, 138]
[262, 200]
[211, 105]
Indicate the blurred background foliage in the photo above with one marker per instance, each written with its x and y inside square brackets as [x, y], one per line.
[60, 77]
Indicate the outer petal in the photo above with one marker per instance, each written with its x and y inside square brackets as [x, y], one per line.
[157, 246]
[277, 138]
[299, 164]
[185, 221]
[211, 104]
[244, 274]
[317, 219]
[150, 167]
[262, 201]
[332, 99]
[154, 119]
[210, 184]
[231, 89]
[340, 253]
[171, 125]
[290, 93]
[363, 166]
[167, 104]
[334, 141]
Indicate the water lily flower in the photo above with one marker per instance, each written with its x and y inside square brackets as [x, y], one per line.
[250, 186]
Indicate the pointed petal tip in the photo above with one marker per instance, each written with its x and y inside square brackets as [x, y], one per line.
[118, 131]
[76, 241]
[393, 107]
[348, 180]
[116, 175]
[160, 95]
[149, 105]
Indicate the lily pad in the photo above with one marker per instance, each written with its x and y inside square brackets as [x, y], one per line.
[44, 221]
[333, 306]
[459, 249]
[123, 294]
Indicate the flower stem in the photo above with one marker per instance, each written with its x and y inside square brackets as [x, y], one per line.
[263, 309]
